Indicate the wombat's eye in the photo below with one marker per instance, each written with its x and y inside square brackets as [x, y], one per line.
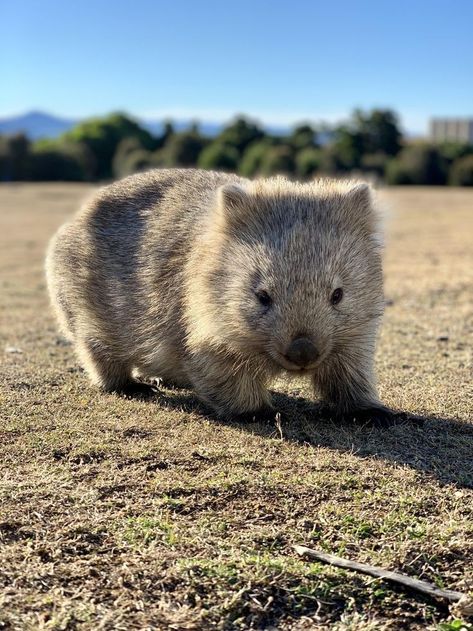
[336, 296]
[264, 298]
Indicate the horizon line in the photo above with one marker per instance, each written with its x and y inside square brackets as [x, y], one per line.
[220, 117]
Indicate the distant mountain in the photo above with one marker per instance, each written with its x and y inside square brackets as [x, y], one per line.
[36, 125]
[42, 125]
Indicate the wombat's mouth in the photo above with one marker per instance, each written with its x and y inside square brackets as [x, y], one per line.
[287, 365]
[300, 371]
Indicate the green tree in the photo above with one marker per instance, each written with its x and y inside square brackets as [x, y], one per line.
[302, 137]
[79, 152]
[14, 157]
[278, 159]
[240, 134]
[182, 149]
[374, 163]
[308, 162]
[347, 149]
[417, 164]
[372, 133]
[121, 163]
[252, 159]
[166, 134]
[54, 164]
[103, 135]
[461, 172]
[218, 156]
[452, 151]
[379, 130]
[138, 160]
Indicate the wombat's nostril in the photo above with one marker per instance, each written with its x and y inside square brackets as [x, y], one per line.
[302, 352]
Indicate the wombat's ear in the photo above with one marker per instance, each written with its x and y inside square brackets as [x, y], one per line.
[361, 195]
[232, 202]
[232, 196]
[362, 208]
[363, 211]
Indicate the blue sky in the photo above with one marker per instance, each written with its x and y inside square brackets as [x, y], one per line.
[280, 60]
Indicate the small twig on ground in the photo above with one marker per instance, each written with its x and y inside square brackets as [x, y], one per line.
[463, 601]
[278, 425]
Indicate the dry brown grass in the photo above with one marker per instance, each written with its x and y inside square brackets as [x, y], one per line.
[124, 513]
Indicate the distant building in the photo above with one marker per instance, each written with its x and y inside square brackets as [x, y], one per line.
[455, 129]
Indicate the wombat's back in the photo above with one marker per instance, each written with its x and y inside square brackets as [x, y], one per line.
[115, 272]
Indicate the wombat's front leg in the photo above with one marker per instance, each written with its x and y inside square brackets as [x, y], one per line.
[349, 388]
[105, 372]
[227, 385]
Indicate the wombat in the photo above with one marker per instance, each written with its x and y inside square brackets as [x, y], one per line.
[220, 283]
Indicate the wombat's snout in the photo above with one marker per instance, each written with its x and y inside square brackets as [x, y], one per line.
[302, 352]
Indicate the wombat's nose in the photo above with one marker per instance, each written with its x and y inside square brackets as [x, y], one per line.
[302, 352]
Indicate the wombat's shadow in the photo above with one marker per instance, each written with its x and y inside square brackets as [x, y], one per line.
[437, 446]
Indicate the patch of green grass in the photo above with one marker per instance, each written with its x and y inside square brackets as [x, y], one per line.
[455, 625]
[144, 531]
[358, 528]
[171, 503]
[257, 586]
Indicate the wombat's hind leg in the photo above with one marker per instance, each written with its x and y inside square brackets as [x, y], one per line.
[103, 370]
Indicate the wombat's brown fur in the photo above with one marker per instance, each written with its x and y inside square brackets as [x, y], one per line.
[212, 281]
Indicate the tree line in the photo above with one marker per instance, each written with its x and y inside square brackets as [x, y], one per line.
[369, 144]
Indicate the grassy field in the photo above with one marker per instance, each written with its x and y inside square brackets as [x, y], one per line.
[122, 513]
